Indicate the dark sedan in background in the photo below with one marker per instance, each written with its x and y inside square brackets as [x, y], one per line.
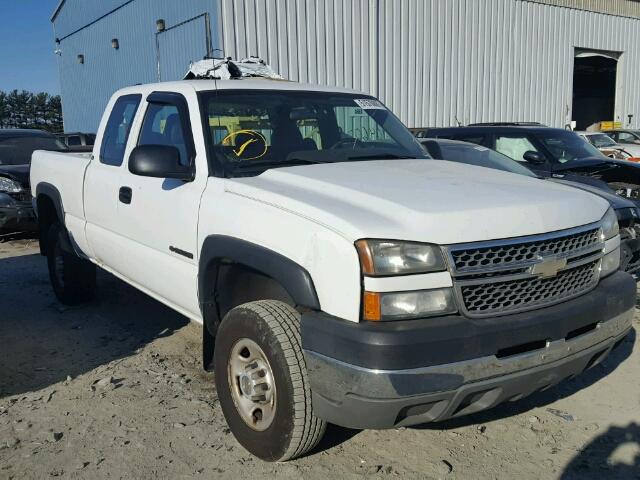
[628, 213]
[16, 147]
[549, 152]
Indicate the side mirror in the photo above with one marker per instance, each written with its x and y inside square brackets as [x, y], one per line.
[159, 161]
[533, 157]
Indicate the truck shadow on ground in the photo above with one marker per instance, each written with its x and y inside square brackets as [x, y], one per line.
[614, 454]
[43, 342]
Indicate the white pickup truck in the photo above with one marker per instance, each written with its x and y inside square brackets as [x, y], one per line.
[339, 276]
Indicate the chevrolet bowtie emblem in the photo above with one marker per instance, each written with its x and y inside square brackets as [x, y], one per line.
[548, 267]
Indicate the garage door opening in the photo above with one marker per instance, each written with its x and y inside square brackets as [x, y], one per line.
[594, 87]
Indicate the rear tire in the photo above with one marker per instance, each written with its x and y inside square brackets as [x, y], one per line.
[262, 384]
[73, 278]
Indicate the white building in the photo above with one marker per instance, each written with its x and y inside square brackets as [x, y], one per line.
[433, 62]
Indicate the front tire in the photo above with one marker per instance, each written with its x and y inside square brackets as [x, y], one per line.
[262, 383]
[73, 278]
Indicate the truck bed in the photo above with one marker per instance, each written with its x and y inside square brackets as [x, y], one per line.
[64, 172]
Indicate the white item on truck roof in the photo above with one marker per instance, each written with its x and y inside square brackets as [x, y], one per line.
[226, 69]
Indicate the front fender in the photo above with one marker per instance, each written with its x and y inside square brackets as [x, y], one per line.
[293, 277]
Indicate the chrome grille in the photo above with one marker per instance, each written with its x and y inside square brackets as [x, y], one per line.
[508, 276]
[479, 258]
[513, 295]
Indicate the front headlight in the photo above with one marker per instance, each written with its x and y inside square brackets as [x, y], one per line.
[407, 305]
[610, 227]
[387, 257]
[9, 186]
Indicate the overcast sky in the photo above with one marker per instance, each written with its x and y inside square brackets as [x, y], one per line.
[27, 60]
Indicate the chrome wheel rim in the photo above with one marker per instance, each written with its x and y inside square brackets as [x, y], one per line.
[252, 385]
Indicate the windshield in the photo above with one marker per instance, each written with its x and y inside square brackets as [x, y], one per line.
[482, 157]
[18, 150]
[600, 140]
[566, 146]
[252, 131]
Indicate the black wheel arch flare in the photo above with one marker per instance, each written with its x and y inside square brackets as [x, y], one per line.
[45, 191]
[294, 278]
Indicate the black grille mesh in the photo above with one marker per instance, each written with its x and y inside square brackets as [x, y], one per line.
[528, 293]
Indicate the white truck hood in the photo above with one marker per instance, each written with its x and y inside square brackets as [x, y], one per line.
[421, 200]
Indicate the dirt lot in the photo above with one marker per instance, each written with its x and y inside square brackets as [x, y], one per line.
[115, 390]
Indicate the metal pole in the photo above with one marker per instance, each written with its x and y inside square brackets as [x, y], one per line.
[158, 56]
[207, 27]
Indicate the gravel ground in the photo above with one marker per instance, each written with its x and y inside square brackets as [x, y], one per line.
[115, 390]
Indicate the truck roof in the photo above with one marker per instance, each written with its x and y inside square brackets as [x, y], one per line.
[237, 84]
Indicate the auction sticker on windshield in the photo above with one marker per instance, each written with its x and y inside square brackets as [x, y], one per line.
[369, 104]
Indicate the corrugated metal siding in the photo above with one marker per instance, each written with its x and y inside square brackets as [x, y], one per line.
[438, 63]
[316, 41]
[180, 46]
[495, 60]
[627, 8]
[433, 62]
[74, 14]
[87, 88]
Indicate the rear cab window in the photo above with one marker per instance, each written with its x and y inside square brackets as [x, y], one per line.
[116, 133]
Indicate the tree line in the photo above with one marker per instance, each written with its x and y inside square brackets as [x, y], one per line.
[23, 109]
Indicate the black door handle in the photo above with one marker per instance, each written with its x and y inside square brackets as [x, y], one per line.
[125, 194]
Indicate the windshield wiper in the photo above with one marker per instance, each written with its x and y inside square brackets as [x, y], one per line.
[379, 156]
[289, 162]
[315, 157]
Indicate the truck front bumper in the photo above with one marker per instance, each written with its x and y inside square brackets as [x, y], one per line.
[386, 375]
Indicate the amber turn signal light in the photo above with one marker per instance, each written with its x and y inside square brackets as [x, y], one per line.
[366, 259]
[371, 310]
